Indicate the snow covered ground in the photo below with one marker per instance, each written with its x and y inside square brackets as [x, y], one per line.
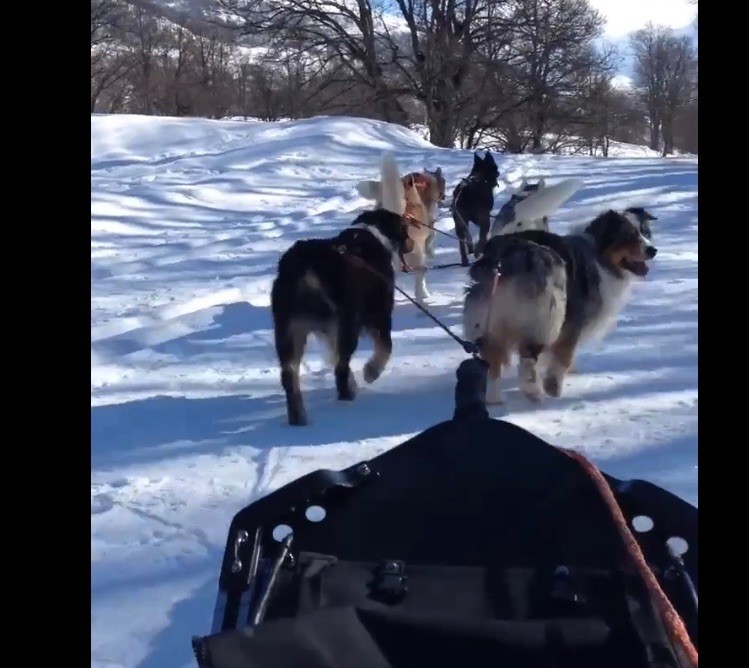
[188, 218]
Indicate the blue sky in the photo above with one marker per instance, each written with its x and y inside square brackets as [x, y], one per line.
[625, 16]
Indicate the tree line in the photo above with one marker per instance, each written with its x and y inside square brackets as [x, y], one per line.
[517, 75]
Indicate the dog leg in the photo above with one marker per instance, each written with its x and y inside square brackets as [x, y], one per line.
[420, 287]
[465, 244]
[383, 348]
[291, 339]
[484, 223]
[528, 371]
[346, 344]
[562, 354]
[429, 245]
[496, 356]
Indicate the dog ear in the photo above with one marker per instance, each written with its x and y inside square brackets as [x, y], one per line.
[523, 185]
[649, 216]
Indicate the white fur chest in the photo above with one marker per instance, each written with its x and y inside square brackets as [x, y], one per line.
[615, 293]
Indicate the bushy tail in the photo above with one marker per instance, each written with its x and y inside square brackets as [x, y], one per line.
[392, 195]
[545, 201]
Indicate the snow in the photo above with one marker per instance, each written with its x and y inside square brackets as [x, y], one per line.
[188, 219]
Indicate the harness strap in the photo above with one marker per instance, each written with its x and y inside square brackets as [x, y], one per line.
[468, 346]
[677, 632]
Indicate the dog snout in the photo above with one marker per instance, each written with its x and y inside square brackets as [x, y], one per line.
[650, 252]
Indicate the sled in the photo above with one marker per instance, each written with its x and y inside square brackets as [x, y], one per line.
[473, 543]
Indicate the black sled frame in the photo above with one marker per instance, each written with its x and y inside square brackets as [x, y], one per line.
[471, 491]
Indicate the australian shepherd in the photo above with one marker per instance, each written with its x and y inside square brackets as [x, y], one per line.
[338, 289]
[473, 199]
[536, 291]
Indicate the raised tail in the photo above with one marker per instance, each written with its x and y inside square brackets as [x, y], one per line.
[392, 196]
[546, 200]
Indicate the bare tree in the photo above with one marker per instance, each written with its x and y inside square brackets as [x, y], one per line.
[518, 75]
[109, 63]
[663, 67]
[339, 32]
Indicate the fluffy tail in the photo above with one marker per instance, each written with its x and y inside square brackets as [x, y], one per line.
[393, 196]
[545, 201]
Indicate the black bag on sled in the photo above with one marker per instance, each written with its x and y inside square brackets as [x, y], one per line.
[472, 544]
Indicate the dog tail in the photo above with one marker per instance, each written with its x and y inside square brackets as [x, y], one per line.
[545, 201]
[393, 196]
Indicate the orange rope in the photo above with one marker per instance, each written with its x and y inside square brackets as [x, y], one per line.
[674, 624]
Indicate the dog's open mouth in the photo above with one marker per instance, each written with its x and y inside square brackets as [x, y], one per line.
[637, 267]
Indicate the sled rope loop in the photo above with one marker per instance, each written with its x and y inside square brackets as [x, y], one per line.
[413, 220]
[677, 632]
[468, 346]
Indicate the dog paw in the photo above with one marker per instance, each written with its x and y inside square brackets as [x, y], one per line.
[372, 372]
[346, 394]
[553, 386]
[422, 296]
[533, 395]
[298, 419]
[348, 391]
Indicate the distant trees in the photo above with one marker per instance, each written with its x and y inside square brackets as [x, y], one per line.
[523, 75]
[665, 79]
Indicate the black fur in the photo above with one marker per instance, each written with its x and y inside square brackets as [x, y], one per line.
[512, 256]
[644, 217]
[336, 288]
[473, 199]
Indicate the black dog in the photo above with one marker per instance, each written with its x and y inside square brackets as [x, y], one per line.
[337, 288]
[473, 199]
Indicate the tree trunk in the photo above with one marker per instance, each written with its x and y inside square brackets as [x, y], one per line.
[441, 132]
[655, 135]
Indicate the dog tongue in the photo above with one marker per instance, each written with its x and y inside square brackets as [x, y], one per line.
[639, 268]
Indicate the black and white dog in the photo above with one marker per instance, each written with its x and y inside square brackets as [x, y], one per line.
[535, 291]
[472, 202]
[338, 289]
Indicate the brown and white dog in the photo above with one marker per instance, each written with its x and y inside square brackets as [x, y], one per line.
[422, 193]
[431, 188]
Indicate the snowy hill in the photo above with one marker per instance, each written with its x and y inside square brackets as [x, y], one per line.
[188, 218]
